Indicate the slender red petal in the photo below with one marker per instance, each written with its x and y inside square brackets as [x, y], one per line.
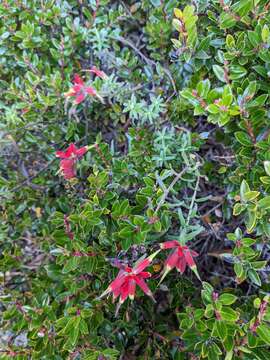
[118, 281]
[98, 72]
[90, 91]
[171, 261]
[80, 152]
[71, 150]
[189, 258]
[79, 98]
[77, 88]
[124, 292]
[78, 80]
[117, 292]
[142, 284]
[145, 274]
[141, 266]
[131, 288]
[181, 264]
[169, 244]
[194, 253]
[61, 154]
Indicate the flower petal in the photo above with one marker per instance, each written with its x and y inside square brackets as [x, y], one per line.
[61, 154]
[77, 88]
[172, 260]
[79, 98]
[194, 253]
[68, 168]
[189, 258]
[131, 288]
[145, 274]
[115, 285]
[78, 80]
[71, 150]
[98, 72]
[141, 265]
[142, 284]
[181, 264]
[169, 244]
[80, 152]
[124, 292]
[118, 281]
[90, 91]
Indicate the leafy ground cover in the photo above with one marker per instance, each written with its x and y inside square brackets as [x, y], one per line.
[135, 179]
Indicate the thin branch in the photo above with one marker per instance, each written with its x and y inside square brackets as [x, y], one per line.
[167, 191]
[193, 200]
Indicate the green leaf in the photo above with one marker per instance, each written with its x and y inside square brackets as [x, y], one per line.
[267, 167]
[238, 208]
[254, 277]
[254, 38]
[227, 299]
[250, 90]
[242, 7]
[258, 101]
[265, 180]
[258, 265]
[177, 24]
[251, 195]
[265, 34]
[252, 340]
[71, 264]
[221, 329]
[203, 88]
[244, 188]
[237, 72]
[264, 203]
[229, 355]
[229, 314]
[230, 41]
[226, 20]
[251, 221]
[263, 331]
[219, 72]
[238, 269]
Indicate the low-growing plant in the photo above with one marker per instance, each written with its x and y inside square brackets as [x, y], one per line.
[135, 169]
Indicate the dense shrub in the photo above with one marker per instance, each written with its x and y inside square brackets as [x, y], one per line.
[135, 175]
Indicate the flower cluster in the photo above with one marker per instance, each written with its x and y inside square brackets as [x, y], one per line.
[124, 285]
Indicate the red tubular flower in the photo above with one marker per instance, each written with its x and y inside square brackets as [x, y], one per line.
[124, 285]
[72, 152]
[79, 90]
[180, 258]
[98, 72]
[69, 158]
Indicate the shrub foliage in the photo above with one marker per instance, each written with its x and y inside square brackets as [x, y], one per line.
[135, 179]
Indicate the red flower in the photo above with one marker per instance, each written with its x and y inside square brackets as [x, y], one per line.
[69, 158]
[124, 285]
[72, 152]
[79, 90]
[180, 258]
[98, 72]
